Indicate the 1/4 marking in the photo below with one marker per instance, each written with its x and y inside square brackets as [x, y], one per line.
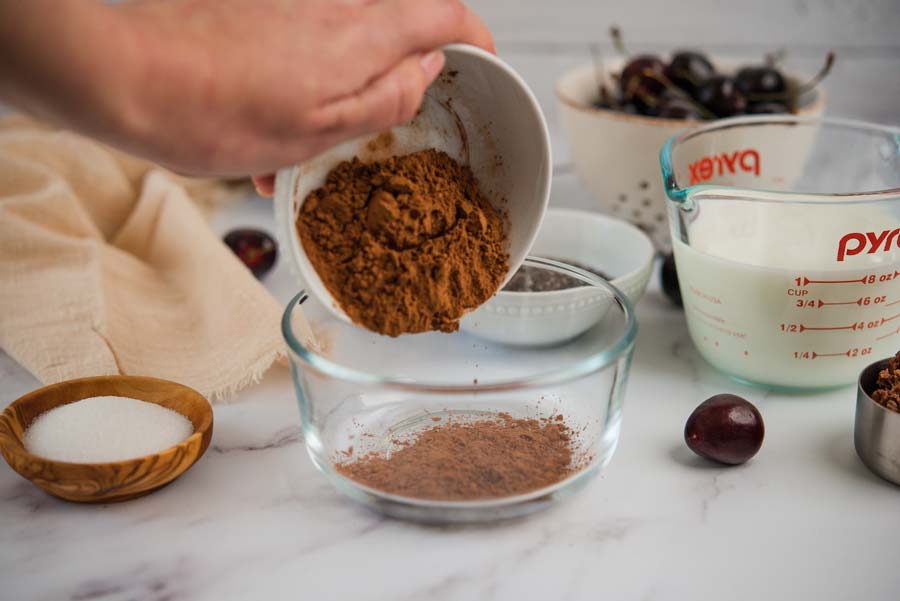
[853, 352]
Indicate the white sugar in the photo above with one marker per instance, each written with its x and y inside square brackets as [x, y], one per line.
[105, 428]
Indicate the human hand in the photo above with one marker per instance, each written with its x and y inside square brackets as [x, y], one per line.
[233, 87]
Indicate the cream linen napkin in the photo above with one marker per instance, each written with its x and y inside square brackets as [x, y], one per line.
[108, 267]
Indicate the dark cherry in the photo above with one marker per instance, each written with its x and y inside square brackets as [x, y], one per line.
[255, 248]
[769, 107]
[755, 81]
[637, 87]
[688, 69]
[725, 428]
[669, 279]
[678, 108]
[720, 95]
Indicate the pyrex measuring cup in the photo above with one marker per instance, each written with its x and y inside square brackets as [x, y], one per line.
[786, 233]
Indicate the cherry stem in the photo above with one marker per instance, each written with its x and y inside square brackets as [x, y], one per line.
[792, 95]
[600, 77]
[773, 59]
[616, 34]
[822, 74]
[661, 78]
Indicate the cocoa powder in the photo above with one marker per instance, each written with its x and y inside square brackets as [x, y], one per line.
[404, 245]
[887, 388]
[469, 460]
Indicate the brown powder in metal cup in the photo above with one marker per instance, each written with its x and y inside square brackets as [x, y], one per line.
[466, 460]
[405, 245]
[887, 388]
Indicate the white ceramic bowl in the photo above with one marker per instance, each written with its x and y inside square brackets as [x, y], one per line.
[610, 245]
[616, 154]
[480, 112]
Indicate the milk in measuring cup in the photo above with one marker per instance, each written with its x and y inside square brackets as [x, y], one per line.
[790, 298]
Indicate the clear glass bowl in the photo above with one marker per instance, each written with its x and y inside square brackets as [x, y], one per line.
[358, 391]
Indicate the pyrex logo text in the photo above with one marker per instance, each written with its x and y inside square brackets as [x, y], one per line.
[722, 163]
[856, 242]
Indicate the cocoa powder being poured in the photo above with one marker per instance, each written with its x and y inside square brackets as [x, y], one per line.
[404, 245]
[469, 460]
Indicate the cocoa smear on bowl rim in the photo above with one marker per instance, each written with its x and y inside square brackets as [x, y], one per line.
[471, 460]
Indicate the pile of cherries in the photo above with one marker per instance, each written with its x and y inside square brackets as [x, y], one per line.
[689, 87]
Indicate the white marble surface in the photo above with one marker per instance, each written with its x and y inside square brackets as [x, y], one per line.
[254, 520]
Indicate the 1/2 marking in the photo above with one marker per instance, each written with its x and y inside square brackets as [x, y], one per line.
[799, 328]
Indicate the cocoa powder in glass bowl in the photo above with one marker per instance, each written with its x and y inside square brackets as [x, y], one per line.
[461, 460]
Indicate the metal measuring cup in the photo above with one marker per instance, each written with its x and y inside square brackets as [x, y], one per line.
[876, 433]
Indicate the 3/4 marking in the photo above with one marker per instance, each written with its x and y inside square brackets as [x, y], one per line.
[857, 302]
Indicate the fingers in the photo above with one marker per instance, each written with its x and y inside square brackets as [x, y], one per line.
[397, 28]
[389, 100]
[264, 184]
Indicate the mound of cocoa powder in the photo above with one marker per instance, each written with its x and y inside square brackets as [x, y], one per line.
[887, 388]
[469, 460]
[404, 245]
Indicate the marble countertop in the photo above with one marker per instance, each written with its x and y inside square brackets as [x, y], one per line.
[254, 520]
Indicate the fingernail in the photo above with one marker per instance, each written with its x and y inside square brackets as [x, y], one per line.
[432, 63]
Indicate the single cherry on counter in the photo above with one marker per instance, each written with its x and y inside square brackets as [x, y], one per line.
[255, 248]
[725, 428]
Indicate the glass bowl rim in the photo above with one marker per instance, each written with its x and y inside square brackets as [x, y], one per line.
[573, 370]
[679, 195]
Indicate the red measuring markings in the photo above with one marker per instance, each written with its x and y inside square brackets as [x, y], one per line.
[862, 301]
[892, 304]
[799, 328]
[884, 320]
[856, 302]
[889, 334]
[804, 328]
[806, 281]
[853, 352]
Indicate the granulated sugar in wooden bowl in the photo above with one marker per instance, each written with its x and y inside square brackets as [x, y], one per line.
[105, 439]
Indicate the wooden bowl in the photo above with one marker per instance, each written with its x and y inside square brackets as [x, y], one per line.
[113, 481]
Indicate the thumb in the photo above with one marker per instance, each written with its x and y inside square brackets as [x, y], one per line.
[390, 99]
